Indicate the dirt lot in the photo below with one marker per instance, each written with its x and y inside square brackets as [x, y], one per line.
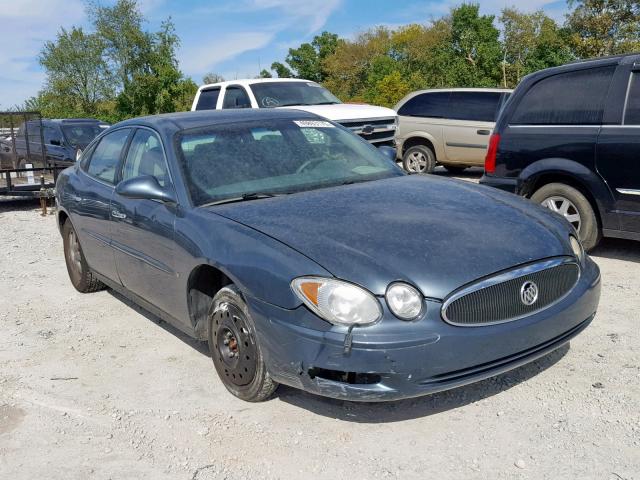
[93, 387]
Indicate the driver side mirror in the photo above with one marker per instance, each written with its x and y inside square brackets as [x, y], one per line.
[145, 187]
[388, 152]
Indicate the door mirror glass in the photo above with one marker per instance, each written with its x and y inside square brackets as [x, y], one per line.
[145, 188]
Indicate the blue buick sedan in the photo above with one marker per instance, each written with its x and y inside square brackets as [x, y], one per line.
[305, 256]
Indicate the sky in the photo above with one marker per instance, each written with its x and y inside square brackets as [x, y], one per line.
[235, 38]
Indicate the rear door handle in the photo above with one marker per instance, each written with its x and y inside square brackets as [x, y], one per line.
[117, 214]
[483, 132]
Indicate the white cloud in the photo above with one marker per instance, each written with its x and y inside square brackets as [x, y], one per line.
[314, 12]
[201, 58]
[26, 25]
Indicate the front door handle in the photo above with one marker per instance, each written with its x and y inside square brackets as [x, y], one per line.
[484, 132]
[117, 214]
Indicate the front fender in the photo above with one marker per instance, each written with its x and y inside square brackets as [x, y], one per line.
[563, 167]
[258, 265]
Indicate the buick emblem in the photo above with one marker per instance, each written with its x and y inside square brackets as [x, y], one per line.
[529, 293]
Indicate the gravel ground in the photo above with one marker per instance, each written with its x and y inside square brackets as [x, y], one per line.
[94, 387]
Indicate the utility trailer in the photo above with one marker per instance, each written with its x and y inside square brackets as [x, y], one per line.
[26, 169]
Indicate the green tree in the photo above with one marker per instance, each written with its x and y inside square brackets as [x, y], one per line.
[281, 70]
[531, 41]
[78, 78]
[604, 27]
[307, 61]
[212, 77]
[264, 73]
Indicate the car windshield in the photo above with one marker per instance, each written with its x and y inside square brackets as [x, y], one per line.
[254, 159]
[80, 135]
[284, 94]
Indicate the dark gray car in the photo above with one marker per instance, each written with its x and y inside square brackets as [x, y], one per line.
[304, 256]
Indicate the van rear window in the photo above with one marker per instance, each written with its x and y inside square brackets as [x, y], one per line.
[572, 98]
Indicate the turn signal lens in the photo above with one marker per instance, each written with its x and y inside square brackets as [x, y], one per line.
[577, 248]
[338, 302]
[404, 301]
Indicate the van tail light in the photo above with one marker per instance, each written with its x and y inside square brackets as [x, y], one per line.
[492, 151]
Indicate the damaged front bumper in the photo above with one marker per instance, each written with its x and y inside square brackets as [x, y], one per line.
[395, 359]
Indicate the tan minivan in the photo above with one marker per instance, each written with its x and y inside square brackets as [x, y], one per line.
[450, 127]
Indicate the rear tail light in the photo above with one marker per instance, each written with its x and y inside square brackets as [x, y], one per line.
[490, 159]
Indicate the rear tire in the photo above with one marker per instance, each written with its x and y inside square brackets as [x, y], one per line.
[419, 159]
[574, 207]
[235, 350]
[81, 276]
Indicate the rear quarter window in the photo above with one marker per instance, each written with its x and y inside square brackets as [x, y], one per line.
[208, 99]
[632, 109]
[571, 98]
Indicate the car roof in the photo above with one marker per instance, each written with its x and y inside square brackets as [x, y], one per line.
[250, 81]
[463, 90]
[585, 64]
[203, 118]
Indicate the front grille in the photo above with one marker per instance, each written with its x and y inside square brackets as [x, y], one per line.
[372, 130]
[499, 298]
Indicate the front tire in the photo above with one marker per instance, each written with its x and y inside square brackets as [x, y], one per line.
[81, 276]
[574, 207]
[234, 348]
[419, 159]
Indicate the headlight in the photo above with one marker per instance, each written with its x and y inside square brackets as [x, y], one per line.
[577, 248]
[404, 301]
[338, 302]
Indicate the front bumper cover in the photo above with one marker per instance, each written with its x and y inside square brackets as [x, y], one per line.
[410, 359]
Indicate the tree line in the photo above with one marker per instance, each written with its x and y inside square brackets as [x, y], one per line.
[119, 70]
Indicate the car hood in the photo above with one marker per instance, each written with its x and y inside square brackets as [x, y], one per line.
[437, 234]
[347, 111]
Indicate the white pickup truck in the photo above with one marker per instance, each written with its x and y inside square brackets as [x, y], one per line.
[377, 125]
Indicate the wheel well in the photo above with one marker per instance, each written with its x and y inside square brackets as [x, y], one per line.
[413, 141]
[548, 178]
[62, 217]
[204, 282]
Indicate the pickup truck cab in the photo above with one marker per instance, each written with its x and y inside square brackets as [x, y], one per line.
[375, 124]
[62, 139]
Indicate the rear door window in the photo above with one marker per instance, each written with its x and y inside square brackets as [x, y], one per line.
[632, 110]
[432, 105]
[106, 156]
[572, 98]
[236, 97]
[208, 99]
[474, 106]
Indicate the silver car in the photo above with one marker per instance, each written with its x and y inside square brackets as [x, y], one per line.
[450, 127]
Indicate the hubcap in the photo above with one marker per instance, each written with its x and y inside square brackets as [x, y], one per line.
[235, 351]
[74, 253]
[417, 162]
[566, 208]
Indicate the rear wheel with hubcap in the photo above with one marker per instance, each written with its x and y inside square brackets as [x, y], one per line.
[234, 348]
[419, 159]
[574, 207]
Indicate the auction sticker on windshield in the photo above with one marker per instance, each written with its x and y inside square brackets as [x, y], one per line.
[313, 124]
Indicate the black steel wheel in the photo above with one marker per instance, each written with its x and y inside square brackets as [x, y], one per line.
[235, 350]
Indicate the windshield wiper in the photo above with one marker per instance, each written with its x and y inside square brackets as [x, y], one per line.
[244, 197]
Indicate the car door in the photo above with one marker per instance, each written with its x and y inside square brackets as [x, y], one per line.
[618, 149]
[143, 230]
[471, 118]
[236, 96]
[423, 115]
[88, 200]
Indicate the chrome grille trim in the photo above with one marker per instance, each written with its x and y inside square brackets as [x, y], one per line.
[522, 273]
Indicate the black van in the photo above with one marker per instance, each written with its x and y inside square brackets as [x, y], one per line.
[569, 138]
